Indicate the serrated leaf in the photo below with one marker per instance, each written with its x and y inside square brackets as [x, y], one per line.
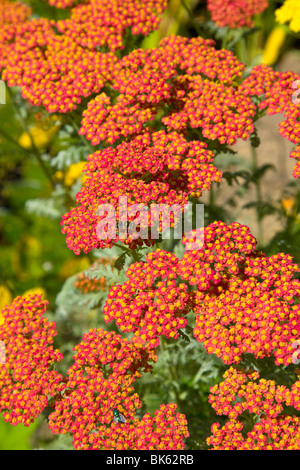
[120, 262]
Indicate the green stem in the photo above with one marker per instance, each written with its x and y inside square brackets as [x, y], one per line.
[259, 198]
[35, 150]
[132, 253]
[83, 140]
[171, 373]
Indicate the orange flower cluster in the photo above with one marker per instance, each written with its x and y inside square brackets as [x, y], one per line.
[27, 376]
[154, 168]
[12, 15]
[188, 79]
[235, 13]
[86, 284]
[281, 433]
[278, 95]
[103, 23]
[243, 391]
[150, 303]
[101, 381]
[246, 302]
[57, 64]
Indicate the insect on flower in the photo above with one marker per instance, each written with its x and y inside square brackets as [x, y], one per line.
[118, 417]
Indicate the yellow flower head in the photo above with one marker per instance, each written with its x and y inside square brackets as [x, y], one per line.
[73, 173]
[38, 136]
[273, 45]
[289, 12]
[5, 299]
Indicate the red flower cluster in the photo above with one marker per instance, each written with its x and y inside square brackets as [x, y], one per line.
[276, 90]
[150, 303]
[243, 391]
[154, 168]
[52, 69]
[281, 433]
[100, 381]
[246, 302]
[186, 81]
[235, 13]
[98, 23]
[59, 63]
[12, 15]
[27, 376]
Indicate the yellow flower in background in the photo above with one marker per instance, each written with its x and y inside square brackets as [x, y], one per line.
[73, 173]
[273, 45]
[289, 206]
[5, 299]
[41, 137]
[36, 290]
[289, 12]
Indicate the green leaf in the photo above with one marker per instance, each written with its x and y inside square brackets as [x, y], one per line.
[120, 262]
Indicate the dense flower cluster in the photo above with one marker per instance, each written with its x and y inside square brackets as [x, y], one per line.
[13, 12]
[235, 13]
[243, 391]
[27, 377]
[57, 64]
[101, 381]
[276, 90]
[52, 69]
[289, 12]
[188, 79]
[281, 433]
[98, 23]
[11, 16]
[246, 302]
[150, 303]
[154, 168]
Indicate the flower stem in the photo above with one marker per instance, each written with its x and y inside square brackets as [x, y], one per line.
[34, 150]
[259, 199]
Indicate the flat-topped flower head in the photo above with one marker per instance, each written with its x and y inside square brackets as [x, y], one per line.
[103, 23]
[186, 82]
[278, 94]
[246, 302]
[150, 303]
[244, 392]
[281, 433]
[59, 63]
[235, 13]
[27, 377]
[99, 386]
[156, 170]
